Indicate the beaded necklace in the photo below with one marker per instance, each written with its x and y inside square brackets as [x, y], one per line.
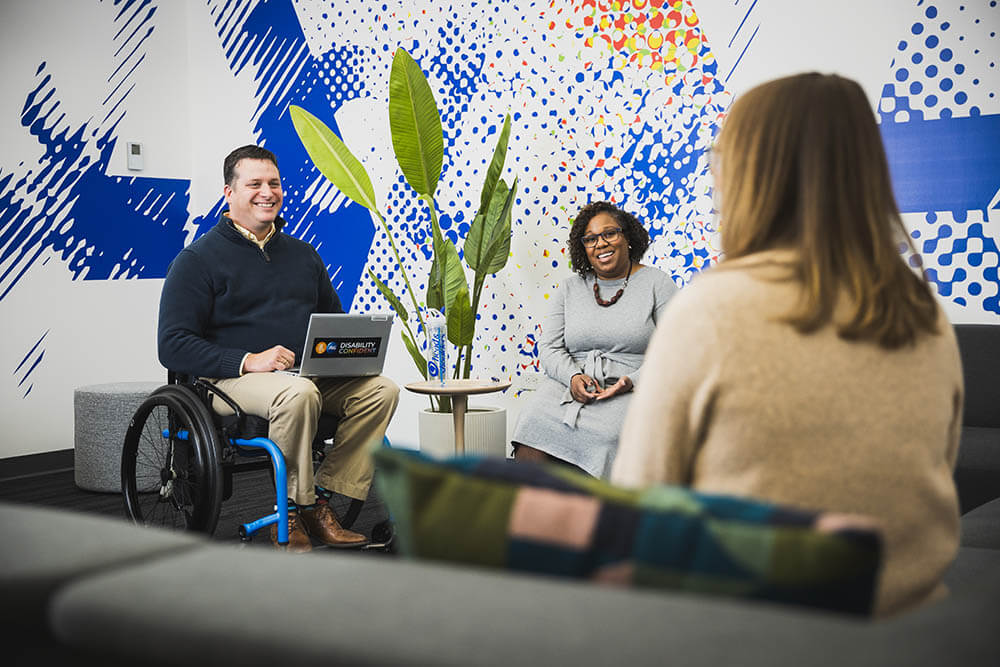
[618, 294]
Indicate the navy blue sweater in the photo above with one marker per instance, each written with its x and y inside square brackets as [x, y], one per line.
[225, 297]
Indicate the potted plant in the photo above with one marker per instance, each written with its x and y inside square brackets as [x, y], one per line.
[418, 145]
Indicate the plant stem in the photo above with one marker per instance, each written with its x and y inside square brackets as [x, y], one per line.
[429, 200]
[413, 339]
[406, 279]
[477, 290]
[468, 362]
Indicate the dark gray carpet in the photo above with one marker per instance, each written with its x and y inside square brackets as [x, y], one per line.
[253, 497]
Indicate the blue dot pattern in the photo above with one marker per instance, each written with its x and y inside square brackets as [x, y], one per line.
[942, 71]
[588, 122]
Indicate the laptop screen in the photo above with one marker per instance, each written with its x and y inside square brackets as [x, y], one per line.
[345, 345]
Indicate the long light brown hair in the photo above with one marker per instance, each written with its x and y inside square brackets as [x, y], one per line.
[802, 166]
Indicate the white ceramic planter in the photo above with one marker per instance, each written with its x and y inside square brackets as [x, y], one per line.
[485, 432]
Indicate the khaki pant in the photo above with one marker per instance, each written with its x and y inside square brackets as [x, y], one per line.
[292, 406]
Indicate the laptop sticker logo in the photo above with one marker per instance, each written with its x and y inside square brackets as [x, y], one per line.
[341, 348]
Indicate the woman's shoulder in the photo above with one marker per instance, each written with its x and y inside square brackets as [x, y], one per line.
[648, 272]
[654, 275]
[569, 284]
[567, 290]
[655, 282]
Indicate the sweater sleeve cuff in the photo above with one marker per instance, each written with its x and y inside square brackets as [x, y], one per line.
[232, 363]
[567, 374]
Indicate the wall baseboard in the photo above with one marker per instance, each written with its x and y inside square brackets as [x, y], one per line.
[31, 465]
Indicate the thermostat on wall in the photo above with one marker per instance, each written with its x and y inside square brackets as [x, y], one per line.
[134, 149]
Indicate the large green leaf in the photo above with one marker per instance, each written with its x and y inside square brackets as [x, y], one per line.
[418, 358]
[501, 240]
[491, 202]
[447, 276]
[332, 157]
[495, 168]
[396, 304]
[482, 228]
[461, 319]
[436, 278]
[497, 250]
[486, 230]
[417, 138]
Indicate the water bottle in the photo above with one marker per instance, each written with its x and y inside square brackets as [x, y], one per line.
[437, 347]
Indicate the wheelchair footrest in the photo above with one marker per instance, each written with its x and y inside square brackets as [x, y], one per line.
[247, 530]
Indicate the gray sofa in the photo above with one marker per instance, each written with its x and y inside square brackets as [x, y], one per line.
[78, 587]
[977, 471]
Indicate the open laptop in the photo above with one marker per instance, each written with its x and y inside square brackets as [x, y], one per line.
[344, 345]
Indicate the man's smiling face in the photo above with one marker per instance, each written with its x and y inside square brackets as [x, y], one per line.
[254, 197]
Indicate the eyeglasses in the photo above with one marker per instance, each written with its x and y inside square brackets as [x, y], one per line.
[609, 235]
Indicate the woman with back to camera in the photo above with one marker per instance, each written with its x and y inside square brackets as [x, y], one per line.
[812, 367]
[592, 343]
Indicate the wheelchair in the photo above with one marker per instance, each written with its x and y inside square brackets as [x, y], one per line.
[179, 457]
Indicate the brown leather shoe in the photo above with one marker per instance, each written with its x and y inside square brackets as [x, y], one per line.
[323, 525]
[298, 540]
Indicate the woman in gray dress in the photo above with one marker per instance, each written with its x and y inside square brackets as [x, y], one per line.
[592, 343]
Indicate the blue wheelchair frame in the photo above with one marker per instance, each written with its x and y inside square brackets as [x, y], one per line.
[280, 483]
[280, 491]
[240, 431]
[280, 516]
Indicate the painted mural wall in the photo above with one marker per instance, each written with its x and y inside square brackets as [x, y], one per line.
[615, 100]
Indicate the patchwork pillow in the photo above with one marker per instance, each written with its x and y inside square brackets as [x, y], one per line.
[548, 519]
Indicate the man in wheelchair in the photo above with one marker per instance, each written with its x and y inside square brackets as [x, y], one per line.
[235, 306]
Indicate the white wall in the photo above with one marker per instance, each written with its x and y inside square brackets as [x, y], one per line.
[182, 97]
[97, 331]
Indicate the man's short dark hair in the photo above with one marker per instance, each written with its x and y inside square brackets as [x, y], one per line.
[250, 152]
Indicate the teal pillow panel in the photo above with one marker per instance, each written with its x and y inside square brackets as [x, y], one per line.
[548, 519]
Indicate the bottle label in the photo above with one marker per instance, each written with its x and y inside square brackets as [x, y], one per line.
[436, 365]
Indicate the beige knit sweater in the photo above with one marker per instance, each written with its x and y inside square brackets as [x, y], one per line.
[735, 402]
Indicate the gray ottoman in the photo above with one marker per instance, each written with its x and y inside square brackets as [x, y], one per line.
[101, 416]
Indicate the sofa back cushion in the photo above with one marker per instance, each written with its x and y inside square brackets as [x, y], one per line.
[550, 520]
[979, 346]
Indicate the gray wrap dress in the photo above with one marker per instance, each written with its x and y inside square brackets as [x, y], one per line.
[578, 335]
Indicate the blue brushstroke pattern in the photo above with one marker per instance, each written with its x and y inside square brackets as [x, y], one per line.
[114, 227]
[946, 164]
[117, 227]
[648, 199]
[742, 53]
[740, 26]
[116, 217]
[102, 226]
[343, 237]
[949, 164]
[34, 363]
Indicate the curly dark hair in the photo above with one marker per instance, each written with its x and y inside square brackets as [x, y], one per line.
[635, 234]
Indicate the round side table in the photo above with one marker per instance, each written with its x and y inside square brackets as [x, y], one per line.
[459, 391]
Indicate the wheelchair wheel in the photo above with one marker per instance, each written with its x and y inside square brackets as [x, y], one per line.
[384, 532]
[171, 476]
